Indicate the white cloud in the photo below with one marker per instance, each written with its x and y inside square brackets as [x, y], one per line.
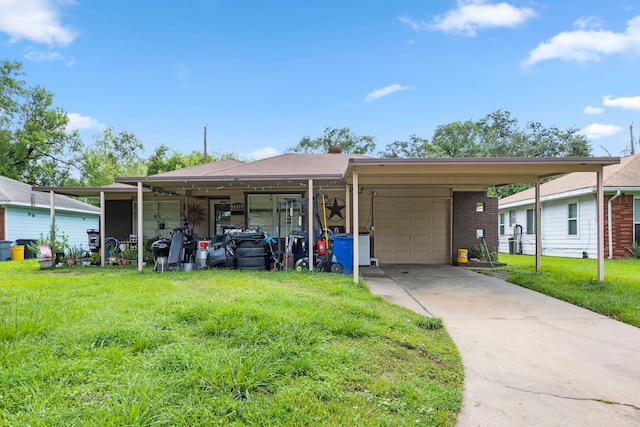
[628, 103]
[263, 153]
[598, 130]
[377, 94]
[76, 122]
[412, 23]
[472, 15]
[41, 56]
[588, 45]
[34, 20]
[593, 110]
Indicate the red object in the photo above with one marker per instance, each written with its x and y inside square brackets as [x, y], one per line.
[203, 245]
[322, 247]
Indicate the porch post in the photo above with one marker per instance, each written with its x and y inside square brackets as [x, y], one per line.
[140, 233]
[600, 227]
[52, 222]
[102, 228]
[347, 208]
[538, 227]
[310, 214]
[356, 246]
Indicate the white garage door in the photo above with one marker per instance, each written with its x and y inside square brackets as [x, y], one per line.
[412, 231]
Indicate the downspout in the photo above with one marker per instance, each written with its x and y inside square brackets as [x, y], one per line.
[609, 223]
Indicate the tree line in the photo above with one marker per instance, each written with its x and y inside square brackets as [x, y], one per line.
[38, 150]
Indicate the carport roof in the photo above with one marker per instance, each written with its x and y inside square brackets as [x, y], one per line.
[480, 172]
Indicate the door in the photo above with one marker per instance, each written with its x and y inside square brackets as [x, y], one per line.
[412, 231]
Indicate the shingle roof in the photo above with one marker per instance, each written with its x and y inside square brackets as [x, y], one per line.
[626, 174]
[289, 166]
[13, 192]
[205, 169]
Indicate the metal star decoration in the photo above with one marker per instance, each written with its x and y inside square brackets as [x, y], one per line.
[336, 209]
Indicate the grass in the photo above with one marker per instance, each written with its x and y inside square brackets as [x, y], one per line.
[112, 347]
[575, 281]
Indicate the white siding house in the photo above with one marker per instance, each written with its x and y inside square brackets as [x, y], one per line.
[25, 214]
[569, 214]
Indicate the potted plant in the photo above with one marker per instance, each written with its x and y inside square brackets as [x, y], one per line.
[74, 253]
[116, 257]
[130, 255]
[95, 258]
[55, 242]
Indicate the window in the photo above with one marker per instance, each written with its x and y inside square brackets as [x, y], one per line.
[636, 219]
[572, 219]
[479, 206]
[158, 218]
[512, 218]
[262, 213]
[531, 221]
[502, 223]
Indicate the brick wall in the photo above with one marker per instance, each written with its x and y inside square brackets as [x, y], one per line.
[622, 225]
[466, 220]
[118, 222]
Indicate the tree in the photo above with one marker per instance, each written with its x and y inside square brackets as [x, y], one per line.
[111, 154]
[164, 160]
[498, 135]
[495, 135]
[415, 147]
[35, 147]
[344, 138]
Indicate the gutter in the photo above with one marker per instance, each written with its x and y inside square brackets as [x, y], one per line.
[609, 223]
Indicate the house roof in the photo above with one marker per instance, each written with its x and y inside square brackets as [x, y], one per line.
[623, 176]
[289, 166]
[204, 169]
[14, 192]
[292, 169]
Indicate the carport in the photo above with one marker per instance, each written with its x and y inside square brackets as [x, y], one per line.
[470, 174]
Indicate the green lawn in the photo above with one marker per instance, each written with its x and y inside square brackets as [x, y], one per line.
[112, 347]
[575, 280]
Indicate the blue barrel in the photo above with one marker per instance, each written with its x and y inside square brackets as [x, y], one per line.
[342, 247]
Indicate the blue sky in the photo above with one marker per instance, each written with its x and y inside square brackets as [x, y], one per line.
[263, 74]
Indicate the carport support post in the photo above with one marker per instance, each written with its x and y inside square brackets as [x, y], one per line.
[102, 227]
[600, 221]
[347, 208]
[310, 217]
[356, 246]
[538, 229]
[140, 234]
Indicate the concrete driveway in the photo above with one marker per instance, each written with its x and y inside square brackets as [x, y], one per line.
[529, 359]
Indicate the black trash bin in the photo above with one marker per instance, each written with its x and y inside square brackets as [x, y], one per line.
[512, 246]
[28, 253]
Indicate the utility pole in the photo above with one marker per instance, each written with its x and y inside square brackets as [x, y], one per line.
[205, 143]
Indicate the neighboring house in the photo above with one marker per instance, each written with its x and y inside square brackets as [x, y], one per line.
[413, 211]
[568, 214]
[25, 214]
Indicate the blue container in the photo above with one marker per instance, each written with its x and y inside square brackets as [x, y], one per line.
[342, 247]
[5, 250]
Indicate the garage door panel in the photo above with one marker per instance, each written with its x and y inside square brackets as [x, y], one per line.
[412, 230]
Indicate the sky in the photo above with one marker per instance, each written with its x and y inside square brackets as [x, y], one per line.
[261, 75]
